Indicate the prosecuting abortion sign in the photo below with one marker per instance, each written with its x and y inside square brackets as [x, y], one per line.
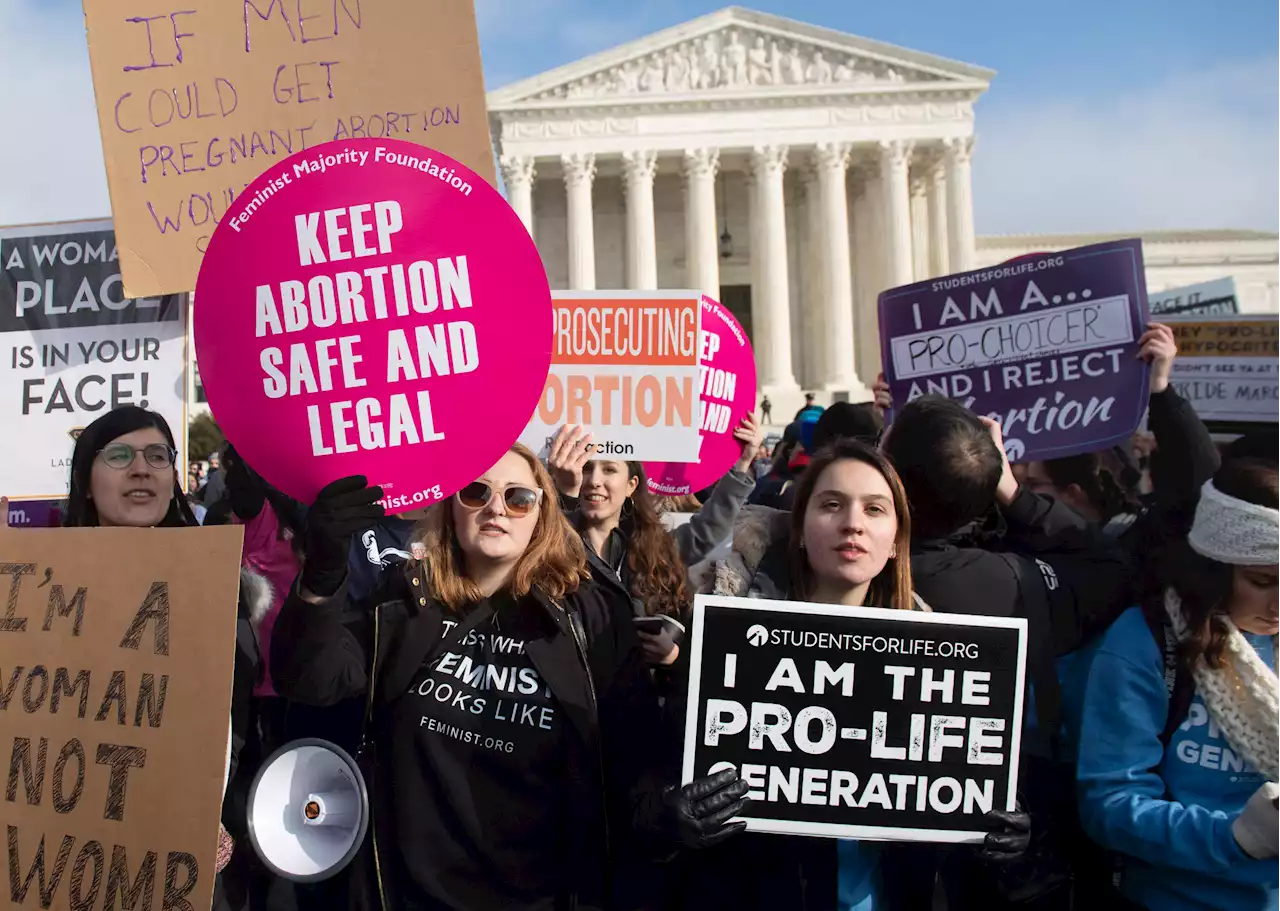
[857, 722]
[1045, 345]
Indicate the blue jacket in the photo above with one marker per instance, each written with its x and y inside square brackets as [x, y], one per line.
[1169, 813]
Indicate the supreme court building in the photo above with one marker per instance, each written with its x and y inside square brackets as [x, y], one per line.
[790, 171]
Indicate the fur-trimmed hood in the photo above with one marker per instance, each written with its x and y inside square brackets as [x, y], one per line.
[755, 532]
[256, 597]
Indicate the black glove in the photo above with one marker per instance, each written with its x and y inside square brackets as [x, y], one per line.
[345, 507]
[704, 806]
[246, 490]
[1008, 838]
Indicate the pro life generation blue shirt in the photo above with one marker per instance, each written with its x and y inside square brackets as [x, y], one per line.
[1168, 812]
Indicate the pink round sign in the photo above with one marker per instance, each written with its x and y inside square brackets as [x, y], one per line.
[727, 392]
[371, 306]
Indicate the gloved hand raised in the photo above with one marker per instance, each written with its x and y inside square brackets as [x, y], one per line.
[343, 508]
[1257, 828]
[704, 806]
[1008, 838]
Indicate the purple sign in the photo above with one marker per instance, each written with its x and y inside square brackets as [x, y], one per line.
[35, 513]
[1046, 345]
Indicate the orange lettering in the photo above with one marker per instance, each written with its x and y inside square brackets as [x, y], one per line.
[579, 400]
[552, 401]
[679, 402]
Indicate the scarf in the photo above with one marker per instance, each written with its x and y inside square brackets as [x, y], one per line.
[1242, 696]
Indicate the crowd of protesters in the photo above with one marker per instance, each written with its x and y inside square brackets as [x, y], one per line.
[1147, 576]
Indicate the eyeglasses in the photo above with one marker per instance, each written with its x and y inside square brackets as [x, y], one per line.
[519, 501]
[121, 455]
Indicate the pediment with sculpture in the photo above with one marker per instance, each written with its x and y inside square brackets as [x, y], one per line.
[734, 59]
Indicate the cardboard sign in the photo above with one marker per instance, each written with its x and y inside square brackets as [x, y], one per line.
[625, 366]
[116, 655]
[1215, 298]
[857, 722]
[1044, 345]
[195, 103]
[75, 347]
[726, 395]
[372, 307]
[1226, 368]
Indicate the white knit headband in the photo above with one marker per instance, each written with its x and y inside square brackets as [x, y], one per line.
[1232, 531]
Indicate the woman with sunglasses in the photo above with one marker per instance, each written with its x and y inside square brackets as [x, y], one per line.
[629, 548]
[512, 735]
[123, 475]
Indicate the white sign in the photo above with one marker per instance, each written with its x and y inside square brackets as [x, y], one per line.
[74, 348]
[1227, 368]
[1215, 298]
[625, 366]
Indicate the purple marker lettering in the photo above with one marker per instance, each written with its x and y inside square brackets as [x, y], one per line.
[177, 35]
[146, 21]
[250, 5]
[328, 74]
[302, 24]
[120, 126]
[356, 19]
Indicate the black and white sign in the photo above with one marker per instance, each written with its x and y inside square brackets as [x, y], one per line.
[74, 347]
[1215, 298]
[857, 722]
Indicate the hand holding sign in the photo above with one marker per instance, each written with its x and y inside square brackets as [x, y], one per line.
[750, 434]
[1158, 348]
[1007, 489]
[570, 451]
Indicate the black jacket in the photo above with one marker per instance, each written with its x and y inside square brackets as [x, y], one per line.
[588, 654]
[1185, 458]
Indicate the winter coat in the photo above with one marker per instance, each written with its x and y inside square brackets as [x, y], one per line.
[323, 654]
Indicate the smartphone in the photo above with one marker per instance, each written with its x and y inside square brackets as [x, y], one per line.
[660, 624]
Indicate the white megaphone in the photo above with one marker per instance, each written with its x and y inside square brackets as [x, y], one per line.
[308, 810]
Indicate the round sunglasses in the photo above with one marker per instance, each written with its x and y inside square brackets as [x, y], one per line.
[121, 455]
[518, 501]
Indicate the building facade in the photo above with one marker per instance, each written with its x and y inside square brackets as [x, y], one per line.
[790, 171]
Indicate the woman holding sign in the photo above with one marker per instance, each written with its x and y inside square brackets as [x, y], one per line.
[1179, 736]
[845, 543]
[512, 734]
[123, 474]
[629, 548]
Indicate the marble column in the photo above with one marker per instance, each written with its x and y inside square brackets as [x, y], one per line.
[894, 160]
[919, 230]
[839, 362]
[771, 316]
[701, 233]
[960, 204]
[813, 289]
[936, 193]
[869, 267]
[579, 175]
[518, 174]
[642, 253]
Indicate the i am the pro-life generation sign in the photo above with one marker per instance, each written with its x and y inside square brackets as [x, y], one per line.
[857, 722]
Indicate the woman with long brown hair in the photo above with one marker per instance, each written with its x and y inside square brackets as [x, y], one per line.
[629, 548]
[512, 736]
[1179, 734]
[846, 542]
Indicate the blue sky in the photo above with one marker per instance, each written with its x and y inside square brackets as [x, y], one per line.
[1120, 115]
